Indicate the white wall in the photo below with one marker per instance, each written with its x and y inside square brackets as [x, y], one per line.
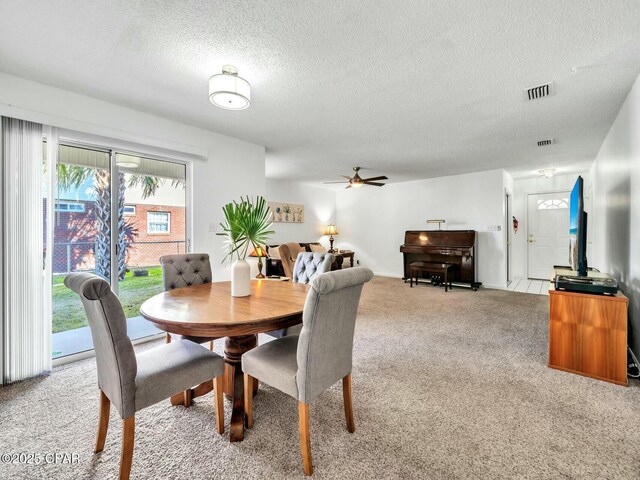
[319, 210]
[223, 158]
[372, 221]
[522, 187]
[616, 207]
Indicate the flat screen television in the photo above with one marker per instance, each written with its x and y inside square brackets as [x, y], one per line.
[578, 230]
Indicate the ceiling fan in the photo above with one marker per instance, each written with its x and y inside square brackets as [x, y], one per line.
[357, 181]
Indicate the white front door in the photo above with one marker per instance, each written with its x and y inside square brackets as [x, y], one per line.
[547, 233]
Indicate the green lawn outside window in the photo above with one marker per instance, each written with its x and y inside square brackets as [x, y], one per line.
[68, 313]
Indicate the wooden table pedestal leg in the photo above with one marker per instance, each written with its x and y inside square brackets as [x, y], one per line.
[234, 382]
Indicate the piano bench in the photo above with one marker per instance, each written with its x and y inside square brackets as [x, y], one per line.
[441, 269]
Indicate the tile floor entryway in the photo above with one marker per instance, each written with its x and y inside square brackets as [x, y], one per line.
[527, 285]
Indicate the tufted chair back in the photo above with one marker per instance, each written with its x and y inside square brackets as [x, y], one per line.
[325, 344]
[115, 358]
[310, 264]
[186, 269]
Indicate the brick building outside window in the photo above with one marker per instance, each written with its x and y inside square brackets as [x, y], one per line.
[156, 225]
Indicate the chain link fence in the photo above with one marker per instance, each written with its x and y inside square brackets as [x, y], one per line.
[80, 256]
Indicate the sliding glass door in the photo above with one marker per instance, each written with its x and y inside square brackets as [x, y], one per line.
[81, 235]
[152, 222]
[115, 215]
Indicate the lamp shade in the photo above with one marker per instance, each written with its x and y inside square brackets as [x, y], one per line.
[229, 91]
[258, 252]
[331, 230]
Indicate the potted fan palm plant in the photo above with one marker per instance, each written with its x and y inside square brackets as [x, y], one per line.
[246, 226]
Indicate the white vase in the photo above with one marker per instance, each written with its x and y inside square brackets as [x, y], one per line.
[240, 279]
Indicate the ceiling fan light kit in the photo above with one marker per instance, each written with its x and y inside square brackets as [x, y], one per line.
[547, 172]
[357, 181]
[229, 91]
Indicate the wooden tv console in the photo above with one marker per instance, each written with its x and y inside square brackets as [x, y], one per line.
[588, 334]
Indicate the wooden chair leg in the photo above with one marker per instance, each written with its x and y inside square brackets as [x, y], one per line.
[248, 399]
[211, 345]
[126, 457]
[103, 422]
[348, 405]
[217, 394]
[167, 338]
[305, 438]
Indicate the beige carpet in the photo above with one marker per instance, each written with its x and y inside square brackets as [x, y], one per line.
[446, 385]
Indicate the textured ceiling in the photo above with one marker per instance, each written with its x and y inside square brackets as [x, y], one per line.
[410, 89]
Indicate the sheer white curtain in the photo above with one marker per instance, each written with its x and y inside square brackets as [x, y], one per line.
[26, 328]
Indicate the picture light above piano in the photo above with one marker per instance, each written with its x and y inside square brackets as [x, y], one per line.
[438, 221]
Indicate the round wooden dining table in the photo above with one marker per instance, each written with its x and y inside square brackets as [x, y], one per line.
[209, 310]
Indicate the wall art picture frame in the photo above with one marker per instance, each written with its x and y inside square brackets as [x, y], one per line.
[287, 212]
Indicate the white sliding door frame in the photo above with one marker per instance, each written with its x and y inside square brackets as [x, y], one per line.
[3, 325]
[51, 135]
[113, 148]
[188, 178]
[116, 147]
[114, 185]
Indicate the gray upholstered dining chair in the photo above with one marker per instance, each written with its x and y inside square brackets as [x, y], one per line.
[304, 366]
[310, 264]
[132, 382]
[184, 270]
[307, 266]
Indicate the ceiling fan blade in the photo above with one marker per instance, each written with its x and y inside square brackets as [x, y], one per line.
[344, 176]
[375, 178]
[348, 186]
[341, 181]
[374, 184]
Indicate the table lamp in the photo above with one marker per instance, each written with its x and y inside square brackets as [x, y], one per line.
[331, 230]
[259, 252]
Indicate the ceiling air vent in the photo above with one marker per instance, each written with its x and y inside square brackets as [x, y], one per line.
[544, 143]
[540, 91]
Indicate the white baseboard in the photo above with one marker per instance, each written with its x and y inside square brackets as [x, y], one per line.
[394, 275]
[387, 275]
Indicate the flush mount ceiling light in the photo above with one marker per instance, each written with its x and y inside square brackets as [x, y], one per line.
[127, 161]
[229, 91]
[547, 172]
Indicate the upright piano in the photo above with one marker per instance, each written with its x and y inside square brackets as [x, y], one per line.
[457, 247]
